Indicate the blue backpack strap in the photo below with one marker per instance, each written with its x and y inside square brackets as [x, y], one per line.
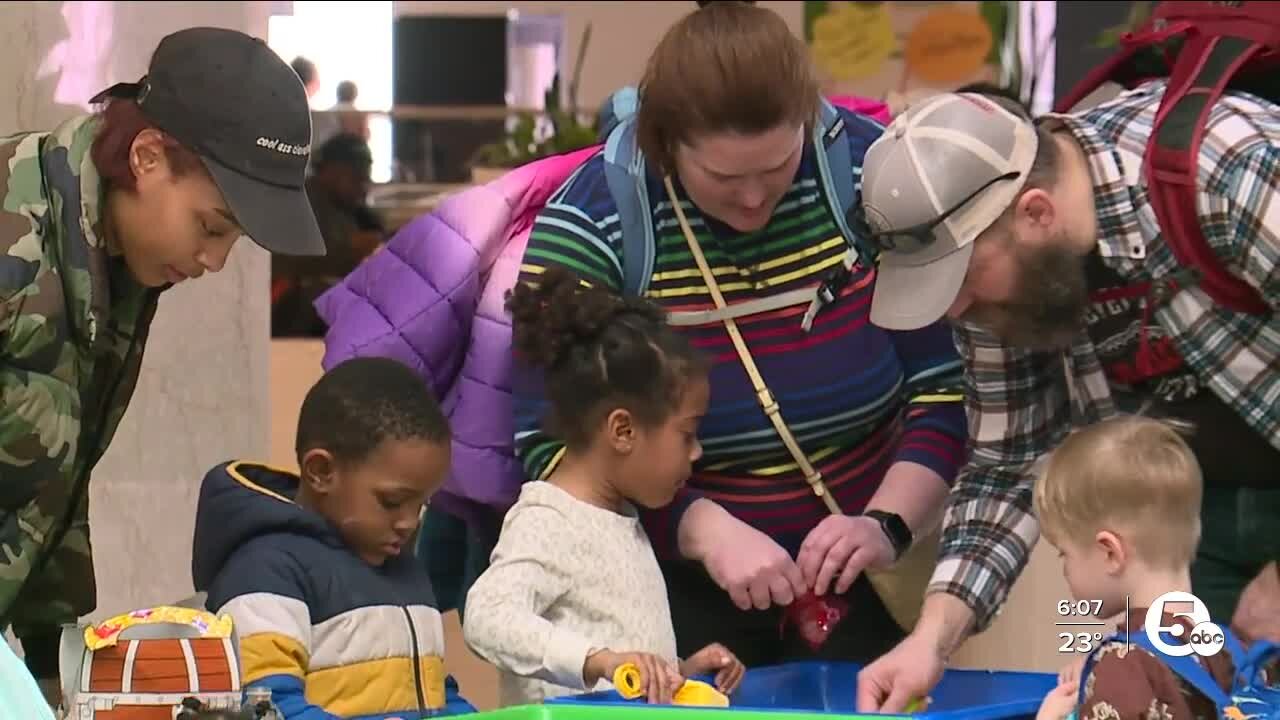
[1261, 653]
[618, 107]
[624, 171]
[1188, 669]
[840, 179]
[1185, 667]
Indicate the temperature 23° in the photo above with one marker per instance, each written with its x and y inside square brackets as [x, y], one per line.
[1081, 642]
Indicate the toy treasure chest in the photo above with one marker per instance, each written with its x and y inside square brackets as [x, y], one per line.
[143, 665]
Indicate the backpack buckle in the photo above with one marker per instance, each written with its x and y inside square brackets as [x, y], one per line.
[833, 282]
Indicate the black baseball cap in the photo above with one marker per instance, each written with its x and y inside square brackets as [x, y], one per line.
[236, 104]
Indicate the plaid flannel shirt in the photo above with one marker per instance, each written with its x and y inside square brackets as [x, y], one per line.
[1021, 404]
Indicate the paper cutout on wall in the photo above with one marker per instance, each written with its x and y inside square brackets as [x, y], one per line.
[852, 40]
[947, 46]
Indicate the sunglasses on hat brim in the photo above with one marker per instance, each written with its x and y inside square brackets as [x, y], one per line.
[918, 237]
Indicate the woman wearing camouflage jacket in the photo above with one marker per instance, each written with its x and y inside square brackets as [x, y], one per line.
[97, 218]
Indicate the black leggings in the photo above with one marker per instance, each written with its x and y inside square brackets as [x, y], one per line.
[704, 614]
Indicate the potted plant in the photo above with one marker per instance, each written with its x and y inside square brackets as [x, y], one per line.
[522, 144]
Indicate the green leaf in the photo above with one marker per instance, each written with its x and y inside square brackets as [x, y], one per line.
[522, 136]
[996, 15]
[1139, 12]
[1109, 38]
[813, 9]
[568, 132]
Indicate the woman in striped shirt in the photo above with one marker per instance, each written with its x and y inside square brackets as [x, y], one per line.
[725, 107]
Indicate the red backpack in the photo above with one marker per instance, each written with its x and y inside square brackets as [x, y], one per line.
[1202, 48]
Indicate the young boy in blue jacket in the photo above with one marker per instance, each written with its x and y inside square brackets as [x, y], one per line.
[332, 612]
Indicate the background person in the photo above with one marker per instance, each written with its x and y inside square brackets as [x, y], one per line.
[338, 190]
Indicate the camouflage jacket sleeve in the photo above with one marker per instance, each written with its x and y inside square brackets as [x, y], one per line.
[39, 410]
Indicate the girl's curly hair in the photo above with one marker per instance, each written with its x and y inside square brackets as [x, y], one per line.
[598, 351]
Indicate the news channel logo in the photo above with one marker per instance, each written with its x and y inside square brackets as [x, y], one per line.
[1206, 638]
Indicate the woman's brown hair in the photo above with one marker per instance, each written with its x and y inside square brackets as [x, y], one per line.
[726, 67]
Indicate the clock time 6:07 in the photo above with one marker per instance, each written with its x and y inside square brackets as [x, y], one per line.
[1079, 607]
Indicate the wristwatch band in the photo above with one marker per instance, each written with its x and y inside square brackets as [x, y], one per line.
[895, 528]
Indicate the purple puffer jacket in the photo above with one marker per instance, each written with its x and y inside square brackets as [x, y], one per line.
[433, 299]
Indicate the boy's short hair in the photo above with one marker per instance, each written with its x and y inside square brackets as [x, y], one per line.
[364, 402]
[1132, 474]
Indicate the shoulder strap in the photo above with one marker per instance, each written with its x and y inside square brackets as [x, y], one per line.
[840, 180]
[1185, 667]
[767, 401]
[1261, 653]
[1205, 65]
[832, 145]
[618, 107]
[1217, 41]
[624, 171]
[1188, 669]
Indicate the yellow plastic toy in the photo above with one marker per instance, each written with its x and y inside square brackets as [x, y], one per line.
[629, 682]
[206, 623]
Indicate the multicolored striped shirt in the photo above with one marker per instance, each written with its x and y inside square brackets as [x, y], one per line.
[857, 398]
[1022, 403]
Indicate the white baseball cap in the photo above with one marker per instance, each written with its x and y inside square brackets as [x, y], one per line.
[940, 175]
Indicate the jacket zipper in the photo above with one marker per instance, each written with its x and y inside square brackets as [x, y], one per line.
[417, 664]
[83, 480]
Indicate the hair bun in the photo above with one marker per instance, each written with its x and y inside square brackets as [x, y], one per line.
[559, 314]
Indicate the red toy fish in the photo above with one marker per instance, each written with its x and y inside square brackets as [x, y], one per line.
[815, 617]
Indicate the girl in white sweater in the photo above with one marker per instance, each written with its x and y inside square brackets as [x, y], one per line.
[573, 589]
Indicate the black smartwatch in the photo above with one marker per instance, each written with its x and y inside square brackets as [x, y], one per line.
[895, 528]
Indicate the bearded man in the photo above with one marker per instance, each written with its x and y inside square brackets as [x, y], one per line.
[1036, 237]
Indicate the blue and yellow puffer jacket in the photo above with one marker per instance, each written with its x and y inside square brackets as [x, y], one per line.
[329, 634]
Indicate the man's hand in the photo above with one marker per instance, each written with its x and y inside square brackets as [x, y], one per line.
[716, 658]
[754, 569]
[906, 674]
[659, 681]
[839, 549]
[1257, 615]
[911, 670]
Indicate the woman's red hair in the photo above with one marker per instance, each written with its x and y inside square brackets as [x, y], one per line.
[122, 120]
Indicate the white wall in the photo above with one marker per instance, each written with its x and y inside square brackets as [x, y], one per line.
[202, 396]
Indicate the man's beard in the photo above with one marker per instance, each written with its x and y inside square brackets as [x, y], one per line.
[1051, 296]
